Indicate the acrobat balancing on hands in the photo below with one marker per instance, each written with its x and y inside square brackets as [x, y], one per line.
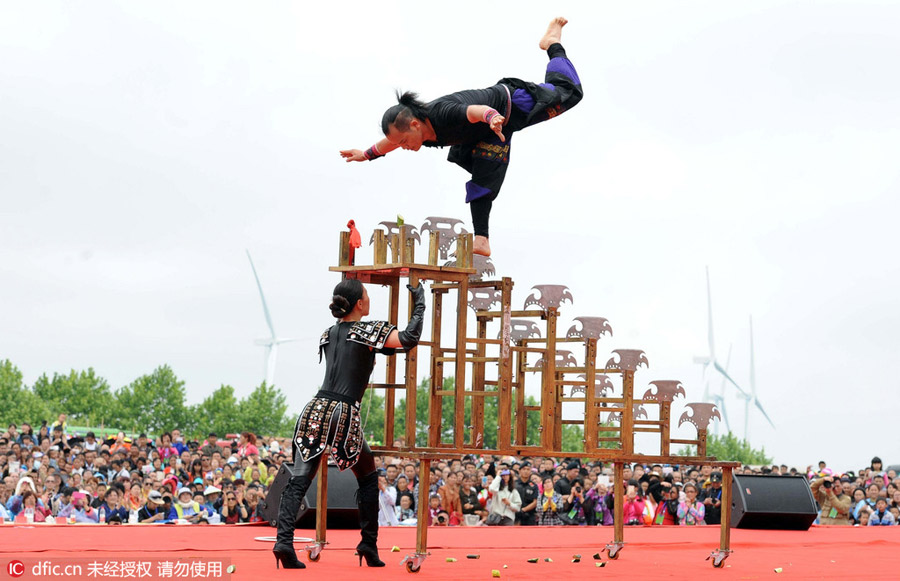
[478, 126]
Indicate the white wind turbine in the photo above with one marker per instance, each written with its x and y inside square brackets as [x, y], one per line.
[270, 343]
[711, 365]
[751, 397]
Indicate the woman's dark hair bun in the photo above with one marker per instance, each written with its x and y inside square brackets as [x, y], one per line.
[340, 307]
[345, 296]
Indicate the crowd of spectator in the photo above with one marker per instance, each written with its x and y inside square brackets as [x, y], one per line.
[52, 474]
[494, 491]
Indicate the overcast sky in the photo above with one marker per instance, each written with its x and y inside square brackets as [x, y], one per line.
[146, 145]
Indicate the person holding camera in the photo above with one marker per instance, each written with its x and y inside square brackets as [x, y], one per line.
[506, 502]
[633, 509]
[835, 505]
[573, 512]
[601, 499]
[667, 509]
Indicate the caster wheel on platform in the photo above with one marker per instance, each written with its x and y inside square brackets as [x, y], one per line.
[718, 558]
[314, 552]
[412, 567]
[612, 549]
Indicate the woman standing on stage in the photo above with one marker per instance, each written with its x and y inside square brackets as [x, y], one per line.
[330, 421]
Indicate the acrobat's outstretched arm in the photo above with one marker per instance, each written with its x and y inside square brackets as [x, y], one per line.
[382, 147]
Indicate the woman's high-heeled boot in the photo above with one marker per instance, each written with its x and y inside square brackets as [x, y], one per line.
[367, 501]
[291, 498]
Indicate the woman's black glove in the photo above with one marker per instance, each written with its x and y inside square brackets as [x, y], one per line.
[409, 338]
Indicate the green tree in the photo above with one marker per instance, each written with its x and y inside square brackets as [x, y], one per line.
[572, 438]
[448, 411]
[11, 388]
[154, 403]
[731, 449]
[18, 403]
[218, 413]
[421, 414]
[371, 410]
[81, 395]
[492, 419]
[263, 412]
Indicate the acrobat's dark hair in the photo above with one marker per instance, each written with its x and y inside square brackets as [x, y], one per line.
[346, 294]
[409, 107]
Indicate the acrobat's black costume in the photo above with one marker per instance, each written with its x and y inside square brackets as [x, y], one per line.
[477, 149]
[330, 422]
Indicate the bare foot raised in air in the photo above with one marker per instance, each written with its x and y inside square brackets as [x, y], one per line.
[482, 246]
[554, 33]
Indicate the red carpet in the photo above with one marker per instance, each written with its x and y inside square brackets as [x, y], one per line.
[651, 553]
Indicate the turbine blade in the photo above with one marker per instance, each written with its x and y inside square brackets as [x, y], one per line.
[266, 366]
[730, 380]
[752, 362]
[707, 376]
[763, 412]
[270, 365]
[727, 365]
[747, 420]
[720, 403]
[712, 342]
[261, 296]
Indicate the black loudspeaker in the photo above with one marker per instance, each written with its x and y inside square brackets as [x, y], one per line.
[772, 502]
[342, 510]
